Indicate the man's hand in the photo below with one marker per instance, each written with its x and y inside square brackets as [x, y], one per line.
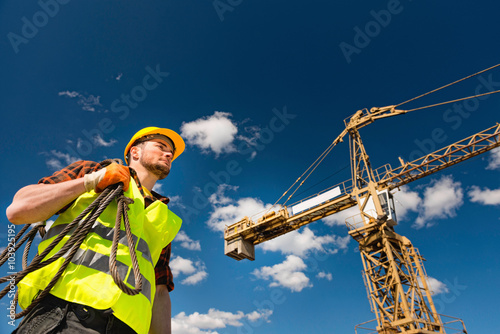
[112, 174]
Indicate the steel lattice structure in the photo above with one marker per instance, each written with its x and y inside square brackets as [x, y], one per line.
[393, 272]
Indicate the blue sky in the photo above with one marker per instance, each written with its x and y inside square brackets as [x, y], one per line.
[259, 89]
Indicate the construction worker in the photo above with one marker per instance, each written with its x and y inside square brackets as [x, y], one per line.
[86, 299]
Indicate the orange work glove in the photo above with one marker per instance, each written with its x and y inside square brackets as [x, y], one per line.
[101, 179]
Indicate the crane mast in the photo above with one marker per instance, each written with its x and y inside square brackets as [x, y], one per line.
[393, 269]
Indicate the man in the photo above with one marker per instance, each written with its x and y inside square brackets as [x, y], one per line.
[86, 299]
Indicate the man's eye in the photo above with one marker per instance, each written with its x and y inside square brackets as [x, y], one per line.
[164, 149]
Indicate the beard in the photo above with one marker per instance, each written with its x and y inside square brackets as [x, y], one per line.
[158, 169]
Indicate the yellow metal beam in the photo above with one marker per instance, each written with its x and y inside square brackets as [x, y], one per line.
[281, 222]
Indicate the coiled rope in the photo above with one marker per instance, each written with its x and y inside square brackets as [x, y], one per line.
[81, 225]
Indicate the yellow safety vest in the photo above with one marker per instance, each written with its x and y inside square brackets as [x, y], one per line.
[87, 278]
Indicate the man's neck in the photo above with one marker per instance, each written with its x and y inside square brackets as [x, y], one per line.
[147, 179]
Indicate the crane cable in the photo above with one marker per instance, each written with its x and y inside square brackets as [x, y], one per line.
[326, 178]
[447, 85]
[314, 165]
[456, 100]
[334, 143]
[82, 225]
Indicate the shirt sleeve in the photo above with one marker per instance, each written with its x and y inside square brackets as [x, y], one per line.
[72, 172]
[162, 270]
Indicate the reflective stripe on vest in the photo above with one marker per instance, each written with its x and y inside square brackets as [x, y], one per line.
[106, 233]
[100, 262]
[87, 278]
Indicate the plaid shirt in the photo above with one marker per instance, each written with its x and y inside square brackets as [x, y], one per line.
[79, 169]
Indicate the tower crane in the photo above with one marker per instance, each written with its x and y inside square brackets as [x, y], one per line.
[393, 269]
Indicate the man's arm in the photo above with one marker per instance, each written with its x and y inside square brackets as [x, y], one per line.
[38, 202]
[161, 321]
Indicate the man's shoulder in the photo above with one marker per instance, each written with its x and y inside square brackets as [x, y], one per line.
[84, 164]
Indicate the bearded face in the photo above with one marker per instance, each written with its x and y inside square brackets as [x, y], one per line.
[156, 157]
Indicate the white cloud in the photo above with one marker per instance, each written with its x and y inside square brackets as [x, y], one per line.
[69, 94]
[435, 286]
[187, 242]
[406, 201]
[195, 278]
[219, 197]
[57, 160]
[79, 144]
[99, 141]
[88, 102]
[175, 201]
[180, 265]
[196, 271]
[54, 164]
[250, 141]
[68, 159]
[216, 133]
[494, 159]
[287, 274]
[441, 200]
[158, 187]
[339, 218]
[485, 197]
[300, 243]
[327, 276]
[227, 211]
[227, 215]
[198, 323]
[342, 242]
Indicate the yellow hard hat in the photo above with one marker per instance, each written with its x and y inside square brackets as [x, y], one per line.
[177, 140]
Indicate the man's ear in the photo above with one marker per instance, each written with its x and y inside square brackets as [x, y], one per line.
[135, 152]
